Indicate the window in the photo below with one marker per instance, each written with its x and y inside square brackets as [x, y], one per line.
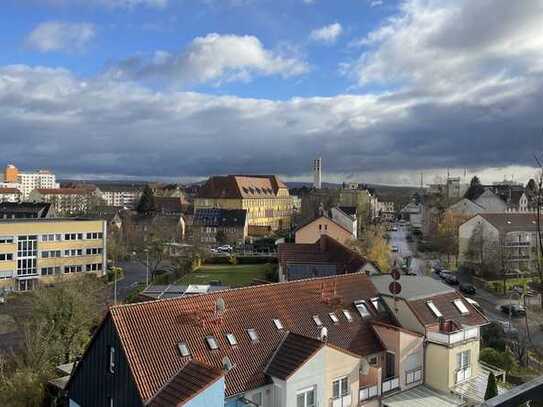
[73, 252]
[306, 398]
[257, 398]
[94, 267]
[317, 320]
[231, 338]
[51, 253]
[460, 306]
[6, 239]
[376, 302]
[252, 335]
[51, 237]
[49, 271]
[278, 324]
[183, 349]
[111, 359]
[333, 317]
[73, 269]
[6, 274]
[212, 342]
[6, 256]
[434, 309]
[463, 359]
[348, 315]
[340, 387]
[94, 251]
[94, 235]
[362, 308]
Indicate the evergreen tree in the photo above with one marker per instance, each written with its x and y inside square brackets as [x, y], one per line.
[475, 189]
[491, 387]
[146, 203]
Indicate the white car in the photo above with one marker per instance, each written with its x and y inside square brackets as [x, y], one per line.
[394, 249]
[225, 248]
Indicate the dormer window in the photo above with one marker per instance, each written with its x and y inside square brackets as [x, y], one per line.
[376, 303]
[362, 308]
[333, 317]
[460, 306]
[278, 324]
[252, 335]
[434, 309]
[231, 338]
[212, 343]
[348, 315]
[317, 320]
[183, 349]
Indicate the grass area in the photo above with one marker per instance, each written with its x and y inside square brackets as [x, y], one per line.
[230, 275]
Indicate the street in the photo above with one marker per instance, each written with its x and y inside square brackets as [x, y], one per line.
[399, 239]
[134, 273]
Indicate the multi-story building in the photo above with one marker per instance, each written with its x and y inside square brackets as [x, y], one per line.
[9, 194]
[210, 226]
[123, 195]
[26, 210]
[507, 242]
[328, 342]
[28, 181]
[312, 231]
[35, 251]
[265, 198]
[68, 201]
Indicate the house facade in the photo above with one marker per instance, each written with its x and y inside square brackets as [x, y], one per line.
[323, 225]
[122, 195]
[67, 201]
[36, 251]
[265, 198]
[346, 216]
[10, 194]
[212, 226]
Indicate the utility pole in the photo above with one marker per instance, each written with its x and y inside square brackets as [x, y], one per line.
[539, 252]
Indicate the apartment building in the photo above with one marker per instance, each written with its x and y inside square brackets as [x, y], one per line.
[67, 201]
[326, 342]
[265, 198]
[34, 251]
[10, 194]
[123, 195]
[210, 225]
[28, 181]
[506, 241]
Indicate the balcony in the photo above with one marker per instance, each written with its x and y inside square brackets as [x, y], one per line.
[518, 258]
[369, 392]
[449, 335]
[463, 374]
[516, 243]
[390, 384]
[413, 376]
[342, 401]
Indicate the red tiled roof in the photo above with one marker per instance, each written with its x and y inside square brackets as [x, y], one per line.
[241, 186]
[150, 331]
[9, 191]
[293, 352]
[444, 303]
[191, 380]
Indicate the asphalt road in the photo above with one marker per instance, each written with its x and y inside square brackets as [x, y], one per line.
[399, 239]
[134, 273]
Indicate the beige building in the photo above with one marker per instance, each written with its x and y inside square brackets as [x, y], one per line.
[68, 201]
[265, 198]
[35, 251]
[311, 232]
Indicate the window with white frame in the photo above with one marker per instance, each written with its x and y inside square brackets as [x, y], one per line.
[252, 335]
[317, 320]
[6, 256]
[362, 308]
[278, 324]
[463, 359]
[460, 306]
[6, 239]
[231, 338]
[348, 315]
[340, 387]
[306, 397]
[434, 309]
[333, 317]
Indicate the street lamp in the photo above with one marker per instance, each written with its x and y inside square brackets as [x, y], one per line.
[147, 266]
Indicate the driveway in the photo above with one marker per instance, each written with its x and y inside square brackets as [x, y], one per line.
[134, 273]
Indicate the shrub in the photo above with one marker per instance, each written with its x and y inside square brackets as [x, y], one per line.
[232, 260]
[503, 360]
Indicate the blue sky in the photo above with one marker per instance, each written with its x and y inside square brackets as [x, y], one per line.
[182, 89]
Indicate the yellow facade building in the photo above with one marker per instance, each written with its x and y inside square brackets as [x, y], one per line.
[35, 251]
[266, 199]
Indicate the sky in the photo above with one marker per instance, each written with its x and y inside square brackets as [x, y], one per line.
[382, 90]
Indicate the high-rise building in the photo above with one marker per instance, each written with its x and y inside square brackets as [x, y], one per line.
[27, 181]
[317, 173]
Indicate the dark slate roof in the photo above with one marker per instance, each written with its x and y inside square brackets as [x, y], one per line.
[291, 354]
[220, 217]
[168, 205]
[24, 210]
[348, 210]
[308, 270]
[191, 380]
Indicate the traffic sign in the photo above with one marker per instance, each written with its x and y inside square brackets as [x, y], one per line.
[395, 288]
[395, 273]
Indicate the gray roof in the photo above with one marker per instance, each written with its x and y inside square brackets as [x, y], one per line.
[413, 287]
[300, 271]
[422, 396]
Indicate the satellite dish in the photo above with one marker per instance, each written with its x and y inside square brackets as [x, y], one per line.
[364, 367]
[220, 306]
[323, 334]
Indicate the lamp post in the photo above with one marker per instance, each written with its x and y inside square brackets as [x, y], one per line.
[147, 267]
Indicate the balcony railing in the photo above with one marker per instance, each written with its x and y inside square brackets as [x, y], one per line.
[516, 243]
[391, 384]
[463, 374]
[413, 376]
[342, 401]
[369, 392]
[516, 258]
[453, 338]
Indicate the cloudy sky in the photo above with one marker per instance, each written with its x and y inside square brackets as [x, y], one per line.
[181, 89]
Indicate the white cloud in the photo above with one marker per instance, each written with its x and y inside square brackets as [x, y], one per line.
[213, 58]
[376, 3]
[327, 34]
[60, 36]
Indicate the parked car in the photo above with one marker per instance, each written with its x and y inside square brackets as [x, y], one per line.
[394, 229]
[225, 248]
[449, 278]
[467, 288]
[515, 310]
[443, 273]
[394, 249]
[508, 329]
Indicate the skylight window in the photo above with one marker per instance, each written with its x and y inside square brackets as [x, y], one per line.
[434, 309]
[231, 339]
[460, 306]
[376, 303]
[278, 323]
[252, 335]
[333, 317]
[212, 343]
[362, 308]
[317, 320]
[348, 315]
[183, 349]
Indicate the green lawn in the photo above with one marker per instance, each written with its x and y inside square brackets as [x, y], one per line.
[230, 275]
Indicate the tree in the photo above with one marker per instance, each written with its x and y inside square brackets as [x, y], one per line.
[519, 348]
[504, 360]
[146, 204]
[475, 189]
[491, 387]
[221, 237]
[373, 245]
[447, 234]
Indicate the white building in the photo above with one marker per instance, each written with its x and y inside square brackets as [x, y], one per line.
[317, 173]
[9, 194]
[28, 181]
[123, 195]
